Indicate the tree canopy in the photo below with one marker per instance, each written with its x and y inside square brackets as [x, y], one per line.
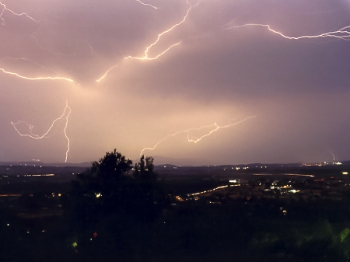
[113, 186]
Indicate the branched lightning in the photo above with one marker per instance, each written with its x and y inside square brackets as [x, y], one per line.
[342, 33]
[215, 127]
[66, 112]
[36, 78]
[146, 56]
[4, 8]
[142, 3]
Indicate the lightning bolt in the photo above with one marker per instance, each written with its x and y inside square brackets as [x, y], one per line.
[342, 33]
[36, 78]
[105, 74]
[65, 131]
[66, 112]
[142, 3]
[215, 127]
[334, 158]
[4, 8]
[146, 56]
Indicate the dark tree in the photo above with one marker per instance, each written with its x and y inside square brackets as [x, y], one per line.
[109, 188]
[144, 170]
[148, 199]
[99, 191]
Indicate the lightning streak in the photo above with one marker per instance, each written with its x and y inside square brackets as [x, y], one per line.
[333, 155]
[66, 112]
[215, 127]
[146, 56]
[36, 78]
[342, 33]
[155, 57]
[142, 3]
[105, 74]
[65, 131]
[23, 59]
[4, 8]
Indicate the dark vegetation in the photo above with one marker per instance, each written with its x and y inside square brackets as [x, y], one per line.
[116, 211]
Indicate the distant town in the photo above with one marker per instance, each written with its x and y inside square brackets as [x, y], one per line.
[307, 181]
[199, 206]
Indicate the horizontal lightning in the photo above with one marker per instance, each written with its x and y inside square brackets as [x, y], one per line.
[146, 57]
[66, 112]
[342, 33]
[4, 8]
[215, 127]
[36, 78]
[152, 58]
[22, 59]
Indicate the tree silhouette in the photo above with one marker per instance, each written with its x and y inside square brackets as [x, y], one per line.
[144, 170]
[147, 199]
[99, 191]
[109, 188]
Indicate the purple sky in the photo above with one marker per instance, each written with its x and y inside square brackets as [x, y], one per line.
[209, 61]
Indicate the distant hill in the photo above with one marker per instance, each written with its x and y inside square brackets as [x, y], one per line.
[161, 161]
[37, 163]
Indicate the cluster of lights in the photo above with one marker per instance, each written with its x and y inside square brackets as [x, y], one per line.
[206, 191]
[98, 195]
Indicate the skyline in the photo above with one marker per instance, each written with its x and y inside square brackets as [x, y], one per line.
[250, 82]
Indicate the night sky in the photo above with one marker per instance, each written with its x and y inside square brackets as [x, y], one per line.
[211, 81]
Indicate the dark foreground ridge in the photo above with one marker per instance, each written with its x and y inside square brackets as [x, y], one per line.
[116, 211]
